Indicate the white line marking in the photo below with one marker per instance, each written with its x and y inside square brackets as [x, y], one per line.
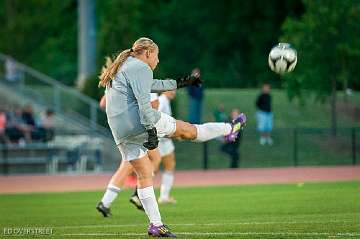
[349, 234]
[204, 224]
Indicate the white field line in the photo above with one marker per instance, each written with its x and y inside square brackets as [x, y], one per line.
[350, 234]
[203, 224]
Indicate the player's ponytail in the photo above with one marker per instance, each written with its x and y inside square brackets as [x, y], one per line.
[111, 66]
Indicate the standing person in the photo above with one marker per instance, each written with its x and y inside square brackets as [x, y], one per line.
[264, 115]
[136, 126]
[167, 152]
[11, 70]
[195, 101]
[232, 148]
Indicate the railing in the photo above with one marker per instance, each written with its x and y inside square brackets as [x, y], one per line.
[72, 150]
[51, 93]
[291, 148]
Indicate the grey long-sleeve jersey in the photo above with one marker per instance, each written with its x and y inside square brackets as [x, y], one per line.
[128, 107]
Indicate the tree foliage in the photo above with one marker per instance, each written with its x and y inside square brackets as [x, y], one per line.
[327, 40]
[229, 39]
[41, 33]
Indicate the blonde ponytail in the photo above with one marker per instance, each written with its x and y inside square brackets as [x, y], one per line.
[111, 67]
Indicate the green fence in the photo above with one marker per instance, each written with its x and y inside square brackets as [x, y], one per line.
[292, 147]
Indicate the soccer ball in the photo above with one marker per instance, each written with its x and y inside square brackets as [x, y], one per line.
[282, 58]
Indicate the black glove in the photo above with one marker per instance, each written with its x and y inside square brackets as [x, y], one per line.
[193, 79]
[153, 140]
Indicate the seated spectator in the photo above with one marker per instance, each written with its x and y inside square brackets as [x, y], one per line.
[28, 116]
[48, 124]
[17, 128]
[219, 114]
[3, 119]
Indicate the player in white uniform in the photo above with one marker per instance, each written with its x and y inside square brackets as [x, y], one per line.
[166, 148]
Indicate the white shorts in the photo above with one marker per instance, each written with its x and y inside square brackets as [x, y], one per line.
[166, 146]
[132, 148]
[166, 125]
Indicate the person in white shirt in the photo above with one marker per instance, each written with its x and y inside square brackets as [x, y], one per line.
[167, 152]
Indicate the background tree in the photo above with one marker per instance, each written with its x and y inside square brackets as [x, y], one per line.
[328, 44]
[229, 39]
[42, 34]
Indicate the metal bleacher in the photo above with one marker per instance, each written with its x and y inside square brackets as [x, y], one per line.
[81, 143]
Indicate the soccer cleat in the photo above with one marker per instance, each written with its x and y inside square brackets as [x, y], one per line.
[236, 125]
[103, 210]
[169, 200]
[137, 203]
[160, 231]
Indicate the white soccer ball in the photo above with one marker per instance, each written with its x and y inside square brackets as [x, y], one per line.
[282, 58]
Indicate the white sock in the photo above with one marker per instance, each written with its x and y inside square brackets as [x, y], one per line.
[166, 184]
[209, 131]
[148, 200]
[110, 195]
[263, 140]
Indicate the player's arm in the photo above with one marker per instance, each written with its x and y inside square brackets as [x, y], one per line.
[159, 86]
[102, 102]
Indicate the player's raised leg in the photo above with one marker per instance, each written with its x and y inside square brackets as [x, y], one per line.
[208, 131]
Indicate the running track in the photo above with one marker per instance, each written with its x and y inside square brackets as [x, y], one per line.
[92, 182]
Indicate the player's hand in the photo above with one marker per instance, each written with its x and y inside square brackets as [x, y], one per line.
[153, 141]
[193, 79]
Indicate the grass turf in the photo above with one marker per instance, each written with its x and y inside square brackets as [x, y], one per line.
[314, 210]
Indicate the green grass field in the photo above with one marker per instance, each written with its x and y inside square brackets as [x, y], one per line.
[313, 210]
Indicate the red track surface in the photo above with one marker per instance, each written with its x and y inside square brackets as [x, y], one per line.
[90, 182]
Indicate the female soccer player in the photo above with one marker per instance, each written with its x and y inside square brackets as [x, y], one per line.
[136, 126]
